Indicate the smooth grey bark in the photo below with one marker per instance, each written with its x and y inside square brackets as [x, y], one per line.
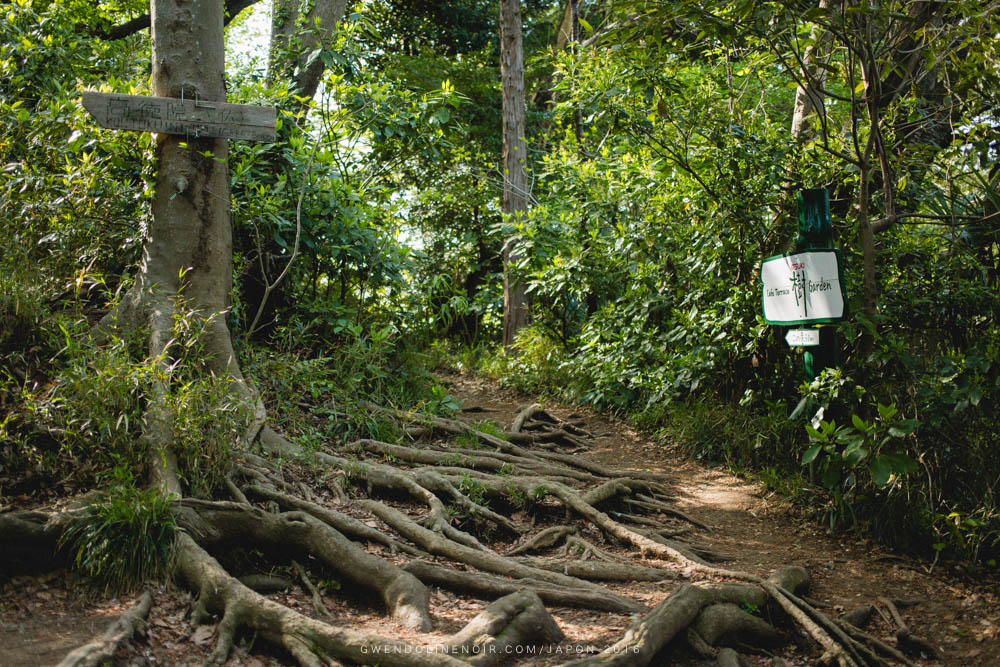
[186, 263]
[515, 160]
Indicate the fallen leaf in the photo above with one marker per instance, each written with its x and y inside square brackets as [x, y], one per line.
[203, 634]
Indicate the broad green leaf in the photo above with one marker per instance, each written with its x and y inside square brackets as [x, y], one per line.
[855, 455]
[887, 412]
[903, 428]
[810, 454]
[815, 435]
[881, 470]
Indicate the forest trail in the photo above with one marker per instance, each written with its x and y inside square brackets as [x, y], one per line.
[44, 616]
[759, 532]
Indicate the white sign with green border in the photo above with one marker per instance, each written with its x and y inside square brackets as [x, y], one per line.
[803, 287]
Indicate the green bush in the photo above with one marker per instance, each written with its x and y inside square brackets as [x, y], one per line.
[320, 399]
[124, 537]
[90, 417]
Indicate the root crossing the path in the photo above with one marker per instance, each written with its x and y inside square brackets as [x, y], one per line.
[482, 543]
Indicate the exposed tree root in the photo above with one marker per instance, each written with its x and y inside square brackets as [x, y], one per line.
[524, 415]
[317, 598]
[489, 587]
[502, 487]
[728, 621]
[484, 560]
[102, 649]
[874, 643]
[515, 620]
[266, 583]
[310, 641]
[656, 629]
[342, 522]
[907, 641]
[543, 540]
[459, 428]
[227, 524]
[728, 658]
[601, 571]
[859, 617]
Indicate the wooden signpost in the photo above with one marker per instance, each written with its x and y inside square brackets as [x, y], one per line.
[185, 117]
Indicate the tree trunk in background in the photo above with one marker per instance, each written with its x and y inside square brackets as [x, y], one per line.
[809, 97]
[296, 41]
[515, 157]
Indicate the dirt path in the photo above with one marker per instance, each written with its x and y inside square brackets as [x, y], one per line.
[759, 533]
[42, 617]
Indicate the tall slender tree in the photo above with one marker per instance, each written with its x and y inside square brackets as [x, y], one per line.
[515, 158]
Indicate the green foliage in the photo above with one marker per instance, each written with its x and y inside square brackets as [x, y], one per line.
[322, 399]
[490, 427]
[90, 418]
[852, 459]
[440, 403]
[660, 187]
[70, 194]
[742, 437]
[124, 537]
[662, 172]
[474, 489]
[534, 367]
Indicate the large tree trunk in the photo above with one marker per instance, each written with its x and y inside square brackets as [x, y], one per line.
[186, 264]
[515, 158]
[189, 240]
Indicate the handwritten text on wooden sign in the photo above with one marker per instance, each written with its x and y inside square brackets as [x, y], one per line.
[191, 118]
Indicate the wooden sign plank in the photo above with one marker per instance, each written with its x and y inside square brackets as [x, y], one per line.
[191, 118]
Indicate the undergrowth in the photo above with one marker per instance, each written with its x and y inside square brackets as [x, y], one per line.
[124, 536]
[89, 419]
[849, 449]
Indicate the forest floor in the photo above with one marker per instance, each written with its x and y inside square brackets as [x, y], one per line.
[44, 616]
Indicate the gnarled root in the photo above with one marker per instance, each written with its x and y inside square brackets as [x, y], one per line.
[907, 641]
[102, 649]
[309, 640]
[485, 560]
[230, 523]
[728, 621]
[514, 620]
[490, 587]
[656, 629]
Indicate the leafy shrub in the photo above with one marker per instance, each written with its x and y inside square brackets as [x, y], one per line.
[321, 399]
[863, 456]
[534, 367]
[90, 417]
[124, 537]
